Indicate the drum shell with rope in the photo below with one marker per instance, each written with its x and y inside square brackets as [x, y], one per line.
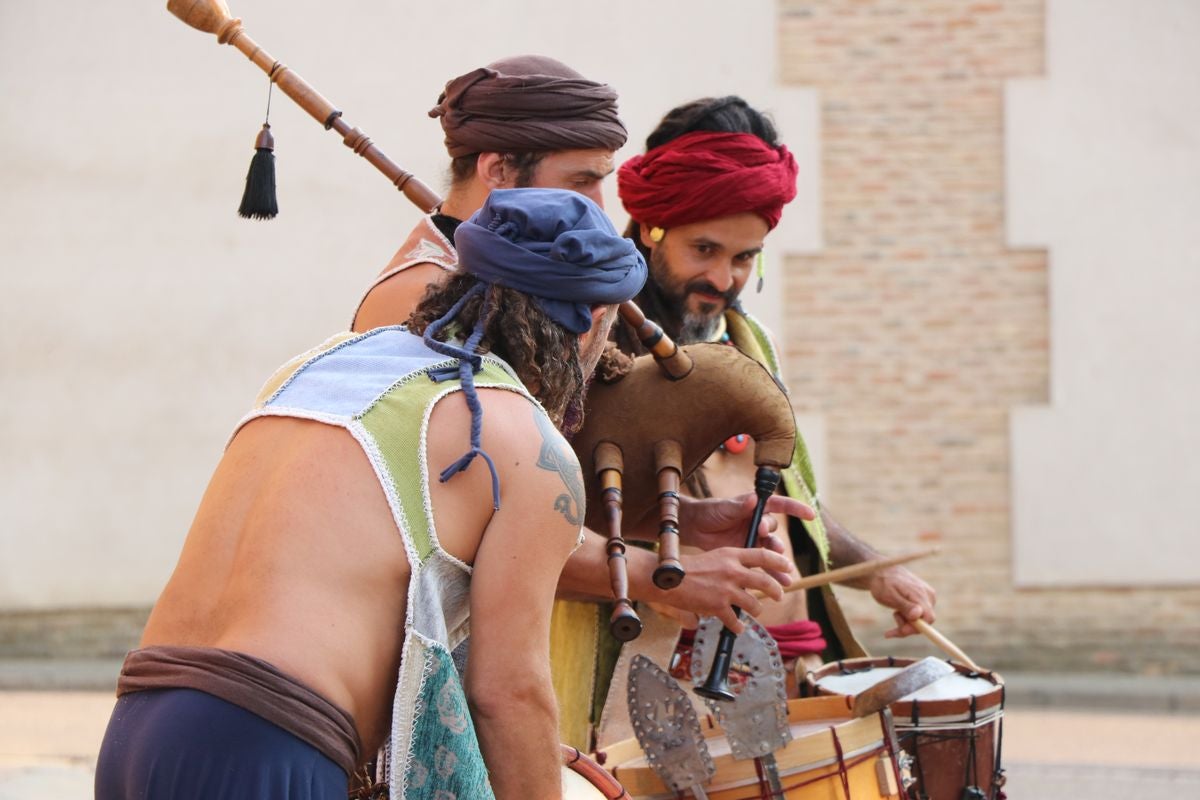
[831, 756]
[952, 728]
[584, 779]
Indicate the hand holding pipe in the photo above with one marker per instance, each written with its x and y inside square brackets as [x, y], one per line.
[716, 686]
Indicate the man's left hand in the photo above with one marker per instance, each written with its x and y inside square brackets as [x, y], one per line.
[724, 522]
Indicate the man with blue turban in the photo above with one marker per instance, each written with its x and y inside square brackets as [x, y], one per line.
[344, 547]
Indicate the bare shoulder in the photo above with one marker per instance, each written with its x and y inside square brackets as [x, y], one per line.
[392, 300]
[539, 457]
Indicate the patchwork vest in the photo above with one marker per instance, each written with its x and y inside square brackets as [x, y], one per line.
[381, 387]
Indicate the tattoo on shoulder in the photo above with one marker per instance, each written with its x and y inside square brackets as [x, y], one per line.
[556, 456]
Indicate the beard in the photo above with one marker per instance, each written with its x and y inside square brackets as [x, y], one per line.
[697, 324]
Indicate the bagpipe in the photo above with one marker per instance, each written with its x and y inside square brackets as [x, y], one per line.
[644, 432]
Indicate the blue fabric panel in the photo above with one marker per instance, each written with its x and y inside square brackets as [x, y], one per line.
[347, 378]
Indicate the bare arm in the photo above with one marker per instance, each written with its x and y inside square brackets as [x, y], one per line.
[393, 301]
[512, 590]
[897, 588]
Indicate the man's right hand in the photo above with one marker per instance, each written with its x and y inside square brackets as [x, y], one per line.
[719, 579]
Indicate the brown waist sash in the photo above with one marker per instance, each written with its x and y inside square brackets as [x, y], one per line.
[248, 683]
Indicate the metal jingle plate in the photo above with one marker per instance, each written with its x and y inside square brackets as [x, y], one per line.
[756, 721]
[666, 727]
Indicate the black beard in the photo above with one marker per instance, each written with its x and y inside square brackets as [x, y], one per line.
[669, 305]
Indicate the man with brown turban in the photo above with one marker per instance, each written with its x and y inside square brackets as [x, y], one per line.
[702, 199]
[524, 121]
[532, 121]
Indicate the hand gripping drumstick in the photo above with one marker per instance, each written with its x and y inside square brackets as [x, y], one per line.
[716, 687]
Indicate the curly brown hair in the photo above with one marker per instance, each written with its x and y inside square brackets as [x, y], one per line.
[544, 354]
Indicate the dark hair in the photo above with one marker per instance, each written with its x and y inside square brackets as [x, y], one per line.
[544, 354]
[463, 167]
[730, 114]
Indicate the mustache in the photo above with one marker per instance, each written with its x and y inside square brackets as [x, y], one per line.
[704, 287]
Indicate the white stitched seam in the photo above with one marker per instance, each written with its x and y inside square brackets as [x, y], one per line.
[426, 500]
[423, 452]
[323, 353]
[306, 356]
[409, 719]
[336, 420]
[371, 449]
[419, 372]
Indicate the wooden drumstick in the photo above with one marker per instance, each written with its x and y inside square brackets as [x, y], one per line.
[948, 647]
[852, 571]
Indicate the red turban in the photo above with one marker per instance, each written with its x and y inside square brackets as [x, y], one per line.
[706, 175]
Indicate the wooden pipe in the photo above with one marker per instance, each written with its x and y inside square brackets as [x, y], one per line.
[624, 622]
[674, 362]
[212, 16]
[668, 458]
[726, 393]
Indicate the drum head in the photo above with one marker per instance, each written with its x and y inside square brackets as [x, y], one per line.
[964, 696]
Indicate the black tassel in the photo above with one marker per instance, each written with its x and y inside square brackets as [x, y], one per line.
[259, 201]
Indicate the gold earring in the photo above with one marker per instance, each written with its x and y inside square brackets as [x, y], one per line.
[657, 234]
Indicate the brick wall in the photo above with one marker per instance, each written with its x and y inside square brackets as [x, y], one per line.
[916, 329]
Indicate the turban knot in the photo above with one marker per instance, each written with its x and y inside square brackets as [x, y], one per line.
[705, 175]
[527, 104]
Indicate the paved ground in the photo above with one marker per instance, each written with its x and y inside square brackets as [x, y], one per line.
[49, 741]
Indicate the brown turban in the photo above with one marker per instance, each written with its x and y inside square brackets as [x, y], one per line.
[527, 104]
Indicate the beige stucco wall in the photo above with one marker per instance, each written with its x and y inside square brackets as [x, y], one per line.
[141, 315]
[985, 297]
[1103, 167]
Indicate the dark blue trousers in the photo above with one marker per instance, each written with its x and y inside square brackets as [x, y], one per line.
[178, 744]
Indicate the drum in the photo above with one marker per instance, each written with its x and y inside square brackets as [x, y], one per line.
[831, 757]
[952, 728]
[584, 779]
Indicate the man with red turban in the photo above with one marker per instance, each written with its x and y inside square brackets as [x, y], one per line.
[702, 199]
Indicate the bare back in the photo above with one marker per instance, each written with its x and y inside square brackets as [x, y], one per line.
[294, 556]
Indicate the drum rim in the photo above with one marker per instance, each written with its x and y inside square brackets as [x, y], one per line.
[940, 712]
[590, 770]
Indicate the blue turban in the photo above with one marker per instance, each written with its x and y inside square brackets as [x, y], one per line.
[554, 245]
